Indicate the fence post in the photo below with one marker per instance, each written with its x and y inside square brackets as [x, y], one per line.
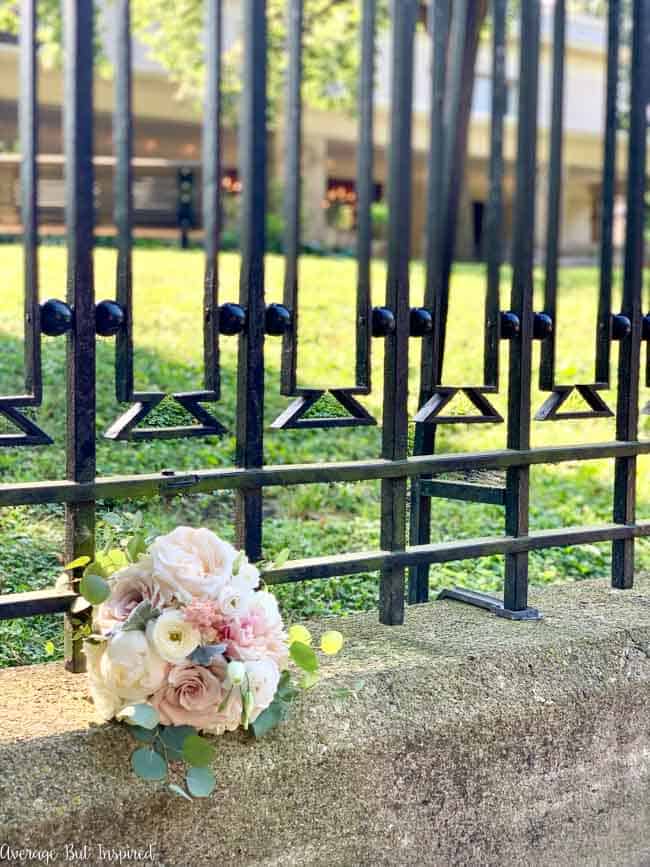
[80, 437]
[250, 381]
[395, 413]
[629, 362]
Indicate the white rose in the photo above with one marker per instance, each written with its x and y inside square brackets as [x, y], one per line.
[106, 702]
[172, 636]
[123, 670]
[196, 562]
[263, 679]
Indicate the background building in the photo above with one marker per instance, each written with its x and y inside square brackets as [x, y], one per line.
[167, 140]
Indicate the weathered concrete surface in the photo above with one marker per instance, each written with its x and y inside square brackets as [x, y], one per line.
[474, 741]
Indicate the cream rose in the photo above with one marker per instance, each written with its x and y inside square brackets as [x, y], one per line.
[196, 562]
[172, 636]
[106, 703]
[263, 679]
[125, 668]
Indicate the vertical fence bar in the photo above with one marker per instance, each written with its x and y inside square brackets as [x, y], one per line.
[28, 123]
[554, 211]
[365, 192]
[494, 214]
[519, 397]
[212, 192]
[123, 208]
[250, 382]
[629, 363]
[395, 410]
[420, 532]
[292, 188]
[78, 137]
[603, 334]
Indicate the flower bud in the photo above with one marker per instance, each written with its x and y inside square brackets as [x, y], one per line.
[236, 672]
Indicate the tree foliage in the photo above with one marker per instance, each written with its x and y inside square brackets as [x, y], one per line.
[172, 30]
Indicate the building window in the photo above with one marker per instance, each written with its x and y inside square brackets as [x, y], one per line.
[340, 203]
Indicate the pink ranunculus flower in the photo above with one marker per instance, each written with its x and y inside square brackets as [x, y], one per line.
[129, 587]
[191, 696]
[196, 562]
[258, 634]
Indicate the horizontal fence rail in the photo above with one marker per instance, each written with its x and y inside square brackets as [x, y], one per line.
[453, 33]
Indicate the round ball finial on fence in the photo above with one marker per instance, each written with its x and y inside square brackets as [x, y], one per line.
[383, 322]
[56, 317]
[421, 322]
[621, 326]
[542, 326]
[278, 319]
[510, 325]
[232, 319]
[109, 318]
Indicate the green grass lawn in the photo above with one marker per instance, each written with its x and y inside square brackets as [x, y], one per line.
[309, 520]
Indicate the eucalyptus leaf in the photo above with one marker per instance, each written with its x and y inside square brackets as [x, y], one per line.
[303, 656]
[177, 790]
[173, 737]
[207, 654]
[281, 558]
[94, 589]
[197, 751]
[148, 764]
[269, 718]
[144, 715]
[237, 563]
[77, 563]
[146, 736]
[309, 680]
[140, 616]
[286, 690]
[135, 546]
[200, 782]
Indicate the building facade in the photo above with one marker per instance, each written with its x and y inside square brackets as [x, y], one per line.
[167, 145]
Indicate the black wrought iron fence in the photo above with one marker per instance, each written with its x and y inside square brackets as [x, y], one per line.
[454, 30]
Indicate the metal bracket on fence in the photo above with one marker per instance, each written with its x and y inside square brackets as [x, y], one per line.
[489, 603]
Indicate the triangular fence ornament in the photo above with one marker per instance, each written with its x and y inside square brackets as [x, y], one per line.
[431, 411]
[296, 415]
[595, 405]
[126, 426]
[31, 434]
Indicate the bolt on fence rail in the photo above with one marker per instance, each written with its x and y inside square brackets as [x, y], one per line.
[454, 33]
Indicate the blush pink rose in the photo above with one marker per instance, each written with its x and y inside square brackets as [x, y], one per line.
[129, 587]
[196, 562]
[191, 696]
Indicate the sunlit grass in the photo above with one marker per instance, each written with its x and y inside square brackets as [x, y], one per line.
[310, 520]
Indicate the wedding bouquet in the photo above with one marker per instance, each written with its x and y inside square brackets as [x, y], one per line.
[184, 641]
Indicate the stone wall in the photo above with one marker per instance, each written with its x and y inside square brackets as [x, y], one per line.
[473, 741]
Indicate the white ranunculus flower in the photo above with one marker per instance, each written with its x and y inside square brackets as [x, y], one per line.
[235, 598]
[125, 668]
[196, 562]
[263, 679]
[172, 636]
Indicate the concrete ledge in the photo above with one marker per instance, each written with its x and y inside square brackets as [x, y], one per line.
[475, 741]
